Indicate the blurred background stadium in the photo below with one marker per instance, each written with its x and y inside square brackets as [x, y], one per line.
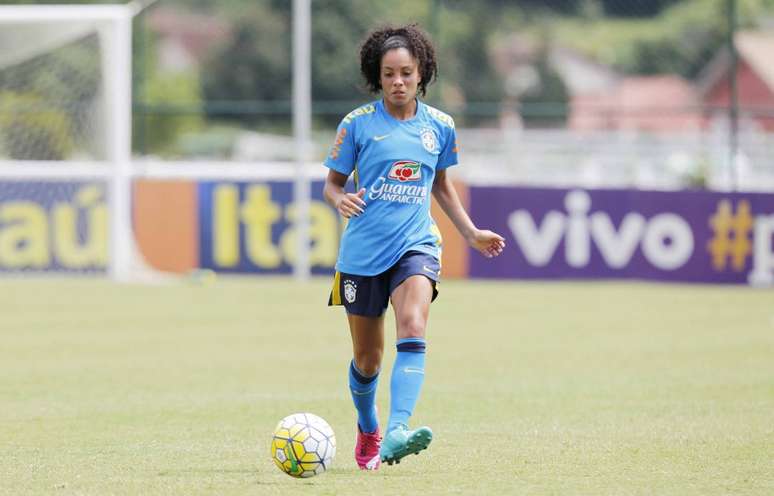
[656, 95]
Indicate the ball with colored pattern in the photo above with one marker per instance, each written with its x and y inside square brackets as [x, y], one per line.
[303, 445]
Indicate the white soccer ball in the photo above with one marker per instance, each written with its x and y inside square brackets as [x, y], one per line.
[303, 445]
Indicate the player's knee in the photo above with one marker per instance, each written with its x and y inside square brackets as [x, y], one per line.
[368, 362]
[412, 326]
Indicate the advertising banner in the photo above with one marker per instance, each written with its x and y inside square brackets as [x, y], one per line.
[250, 228]
[61, 226]
[689, 236]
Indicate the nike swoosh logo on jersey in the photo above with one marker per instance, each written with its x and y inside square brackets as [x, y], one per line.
[380, 138]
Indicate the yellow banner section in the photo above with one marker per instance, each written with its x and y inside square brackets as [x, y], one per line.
[64, 227]
[53, 226]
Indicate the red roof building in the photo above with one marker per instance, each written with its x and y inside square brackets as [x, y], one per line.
[754, 83]
[639, 103]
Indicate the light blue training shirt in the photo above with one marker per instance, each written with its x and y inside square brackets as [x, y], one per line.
[395, 161]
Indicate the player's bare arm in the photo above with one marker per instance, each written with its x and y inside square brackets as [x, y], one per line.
[489, 243]
[347, 204]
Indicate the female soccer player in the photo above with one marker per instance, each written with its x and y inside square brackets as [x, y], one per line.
[398, 149]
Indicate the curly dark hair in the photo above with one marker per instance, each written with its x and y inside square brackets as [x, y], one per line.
[412, 38]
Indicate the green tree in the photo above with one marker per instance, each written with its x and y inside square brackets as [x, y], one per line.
[465, 66]
[690, 34]
[643, 8]
[46, 109]
[254, 65]
[58, 2]
[32, 130]
[160, 123]
[546, 105]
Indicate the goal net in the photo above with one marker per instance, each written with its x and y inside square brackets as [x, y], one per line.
[65, 117]
[72, 199]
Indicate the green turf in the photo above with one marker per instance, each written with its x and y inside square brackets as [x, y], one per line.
[531, 388]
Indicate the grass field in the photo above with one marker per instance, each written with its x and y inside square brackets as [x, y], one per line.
[531, 388]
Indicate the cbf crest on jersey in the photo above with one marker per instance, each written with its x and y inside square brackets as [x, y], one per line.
[428, 140]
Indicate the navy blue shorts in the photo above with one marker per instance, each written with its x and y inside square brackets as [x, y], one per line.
[368, 296]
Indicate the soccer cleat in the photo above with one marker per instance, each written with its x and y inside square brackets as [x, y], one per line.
[401, 442]
[367, 449]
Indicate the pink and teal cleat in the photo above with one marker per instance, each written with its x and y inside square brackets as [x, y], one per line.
[367, 449]
[401, 442]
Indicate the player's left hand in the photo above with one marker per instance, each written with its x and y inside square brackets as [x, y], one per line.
[489, 243]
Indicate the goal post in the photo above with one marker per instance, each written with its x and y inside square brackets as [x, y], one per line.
[86, 138]
[65, 132]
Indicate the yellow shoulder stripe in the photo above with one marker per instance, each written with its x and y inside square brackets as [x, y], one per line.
[365, 109]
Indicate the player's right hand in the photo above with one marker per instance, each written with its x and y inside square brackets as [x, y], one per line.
[351, 204]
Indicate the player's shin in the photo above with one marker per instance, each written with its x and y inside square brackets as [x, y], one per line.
[408, 374]
[363, 390]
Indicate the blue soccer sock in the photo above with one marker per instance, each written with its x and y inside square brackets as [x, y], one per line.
[363, 391]
[408, 374]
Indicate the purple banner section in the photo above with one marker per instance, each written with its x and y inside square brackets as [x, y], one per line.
[689, 236]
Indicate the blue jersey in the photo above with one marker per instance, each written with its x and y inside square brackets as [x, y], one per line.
[395, 161]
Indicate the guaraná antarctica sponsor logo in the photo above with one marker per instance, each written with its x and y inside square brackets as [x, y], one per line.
[406, 170]
[402, 171]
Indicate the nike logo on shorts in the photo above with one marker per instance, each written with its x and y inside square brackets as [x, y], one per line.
[428, 269]
[380, 138]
